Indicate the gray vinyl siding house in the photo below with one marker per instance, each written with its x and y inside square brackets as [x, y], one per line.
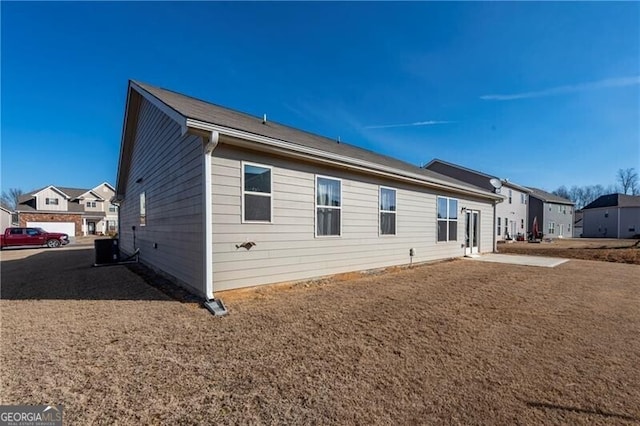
[511, 214]
[612, 216]
[554, 214]
[221, 200]
[577, 224]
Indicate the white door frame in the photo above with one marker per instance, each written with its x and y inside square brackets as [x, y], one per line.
[472, 232]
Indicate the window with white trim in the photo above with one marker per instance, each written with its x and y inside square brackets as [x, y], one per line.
[552, 227]
[510, 196]
[51, 201]
[387, 211]
[257, 183]
[143, 209]
[328, 206]
[499, 224]
[113, 209]
[90, 204]
[447, 219]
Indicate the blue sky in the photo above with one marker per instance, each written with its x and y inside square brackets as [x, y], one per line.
[545, 94]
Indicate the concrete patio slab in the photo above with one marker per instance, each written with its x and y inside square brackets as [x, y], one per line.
[514, 259]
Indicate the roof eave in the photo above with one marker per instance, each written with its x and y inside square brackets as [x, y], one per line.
[235, 137]
[128, 131]
[59, 191]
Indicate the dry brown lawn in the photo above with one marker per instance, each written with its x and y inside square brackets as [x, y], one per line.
[457, 342]
[608, 250]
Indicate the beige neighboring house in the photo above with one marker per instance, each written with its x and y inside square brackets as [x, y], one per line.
[221, 200]
[5, 218]
[73, 211]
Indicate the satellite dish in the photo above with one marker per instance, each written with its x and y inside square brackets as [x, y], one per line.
[496, 183]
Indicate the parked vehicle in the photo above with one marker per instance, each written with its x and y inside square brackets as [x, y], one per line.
[13, 237]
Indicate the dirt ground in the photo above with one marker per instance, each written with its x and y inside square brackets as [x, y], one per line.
[608, 250]
[458, 342]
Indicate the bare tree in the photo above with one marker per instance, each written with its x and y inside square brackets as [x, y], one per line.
[563, 192]
[10, 198]
[628, 180]
[582, 195]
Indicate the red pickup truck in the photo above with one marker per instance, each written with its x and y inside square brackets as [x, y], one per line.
[13, 237]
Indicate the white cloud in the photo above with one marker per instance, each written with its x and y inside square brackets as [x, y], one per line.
[417, 123]
[602, 84]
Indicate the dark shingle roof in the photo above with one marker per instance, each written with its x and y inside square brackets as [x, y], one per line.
[549, 197]
[614, 200]
[73, 192]
[505, 182]
[26, 202]
[197, 109]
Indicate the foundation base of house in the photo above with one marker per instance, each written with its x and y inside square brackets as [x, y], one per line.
[216, 307]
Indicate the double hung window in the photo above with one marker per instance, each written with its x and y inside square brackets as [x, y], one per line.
[387, 211]
[447, 219]
[256, 193]
[328, 206]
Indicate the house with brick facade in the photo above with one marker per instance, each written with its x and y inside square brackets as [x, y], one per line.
[73, 211]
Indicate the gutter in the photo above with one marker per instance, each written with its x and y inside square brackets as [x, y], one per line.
[239, 138]
[288, 149]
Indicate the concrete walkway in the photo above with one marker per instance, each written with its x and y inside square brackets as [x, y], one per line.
[516, 259]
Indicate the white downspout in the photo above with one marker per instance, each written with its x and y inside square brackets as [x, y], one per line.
[493, 231]
[216, 307]
[210, 144]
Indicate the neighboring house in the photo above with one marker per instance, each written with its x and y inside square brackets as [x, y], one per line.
[554, 214]
[577, 224]
[73, 211]
[511, 214]
[5, 218]
[220, 200]
[612, 216]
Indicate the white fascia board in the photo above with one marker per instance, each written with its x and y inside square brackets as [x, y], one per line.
[107, 184]
[54, 189]
[516, 186]
[82, 196]
[294, 150]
